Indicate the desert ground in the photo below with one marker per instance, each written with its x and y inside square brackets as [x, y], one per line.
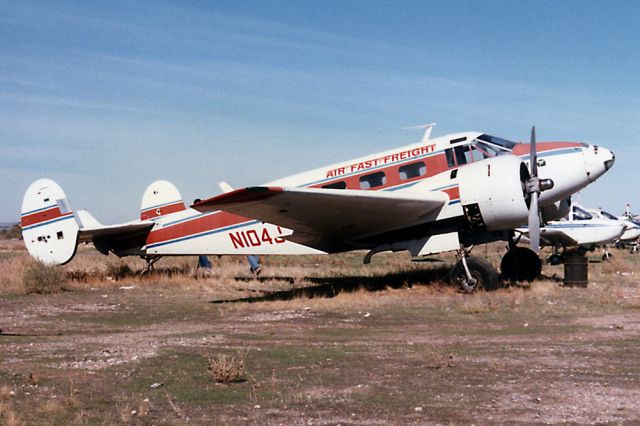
[324, 340]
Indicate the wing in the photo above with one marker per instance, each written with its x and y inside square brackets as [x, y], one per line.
[553, 237]
[329, 219]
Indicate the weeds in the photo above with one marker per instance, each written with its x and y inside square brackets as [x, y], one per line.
[225, 368]
[39, 278]
[119, 270]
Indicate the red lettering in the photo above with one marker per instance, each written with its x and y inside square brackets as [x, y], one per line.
[235, 239]
[279, 240]
[265, 236]
[252, 235]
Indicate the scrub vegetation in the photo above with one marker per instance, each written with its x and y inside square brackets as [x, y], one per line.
[315, 340]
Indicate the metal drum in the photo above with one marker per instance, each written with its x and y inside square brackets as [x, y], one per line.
[576, 271]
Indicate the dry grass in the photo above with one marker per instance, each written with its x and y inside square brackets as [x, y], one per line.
[38, 278]
[225, 368]
[8, 415]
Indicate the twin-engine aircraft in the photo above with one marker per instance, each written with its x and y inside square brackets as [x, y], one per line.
[442, 194]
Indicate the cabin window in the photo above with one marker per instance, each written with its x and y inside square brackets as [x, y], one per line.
[412, 170]
[373, 180]
[60, 235]
[336, 185]
[451, 162]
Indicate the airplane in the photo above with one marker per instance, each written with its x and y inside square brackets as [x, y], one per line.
[580, 230]
[443, 194]
[631, 228]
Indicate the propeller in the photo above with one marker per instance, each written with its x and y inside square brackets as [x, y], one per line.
[533, 186]
[533, 191]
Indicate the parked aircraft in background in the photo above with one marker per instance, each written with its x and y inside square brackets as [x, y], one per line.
[580, 230]
[631, 228]
[442, 194]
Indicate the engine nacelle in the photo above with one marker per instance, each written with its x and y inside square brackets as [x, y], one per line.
[491, 193]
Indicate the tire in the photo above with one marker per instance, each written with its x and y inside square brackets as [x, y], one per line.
[484, 274]
[554, 259]
[520, 264]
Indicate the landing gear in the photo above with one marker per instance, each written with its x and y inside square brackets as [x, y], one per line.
[473, 273]
[554, 259]
[521, 264]
[151, 260]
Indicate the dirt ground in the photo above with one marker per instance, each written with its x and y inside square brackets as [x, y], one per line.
[325, 341]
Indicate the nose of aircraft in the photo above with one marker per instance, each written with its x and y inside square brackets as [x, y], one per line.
[597, 161]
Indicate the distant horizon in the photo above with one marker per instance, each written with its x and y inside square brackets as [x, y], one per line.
[105, 98]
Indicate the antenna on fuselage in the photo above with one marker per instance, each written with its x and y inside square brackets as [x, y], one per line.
[427, 130]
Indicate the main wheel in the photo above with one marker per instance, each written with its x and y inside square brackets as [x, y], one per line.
[521, 264]
[483, 275]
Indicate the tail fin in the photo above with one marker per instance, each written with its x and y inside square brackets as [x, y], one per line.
[160, 198]
[49, 227]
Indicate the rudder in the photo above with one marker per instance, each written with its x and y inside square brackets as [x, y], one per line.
[160, 198]
[49, 227]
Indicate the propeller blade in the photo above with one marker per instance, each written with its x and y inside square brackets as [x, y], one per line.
[533, 156]
[534, 223]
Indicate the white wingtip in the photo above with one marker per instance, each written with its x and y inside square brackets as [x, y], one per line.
[225, 187]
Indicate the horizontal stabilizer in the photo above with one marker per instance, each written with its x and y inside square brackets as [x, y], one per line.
[119, 231]
[111, 237]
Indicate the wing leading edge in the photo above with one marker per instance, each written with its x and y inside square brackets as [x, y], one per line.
[329, 219]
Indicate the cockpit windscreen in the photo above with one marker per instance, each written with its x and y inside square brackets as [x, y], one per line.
[497, 141]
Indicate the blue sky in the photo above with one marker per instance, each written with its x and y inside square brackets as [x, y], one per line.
[106, 97]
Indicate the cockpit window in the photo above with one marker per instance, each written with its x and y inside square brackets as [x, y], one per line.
[580, 214]
[608, 215]
[461, 154]
[497, 141]
[488, 150]
[476, 154]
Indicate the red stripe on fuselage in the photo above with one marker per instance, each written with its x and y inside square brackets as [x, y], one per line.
[435, 164]
[42, 216]
[161, 211]
[454, 193]
[200, 223]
